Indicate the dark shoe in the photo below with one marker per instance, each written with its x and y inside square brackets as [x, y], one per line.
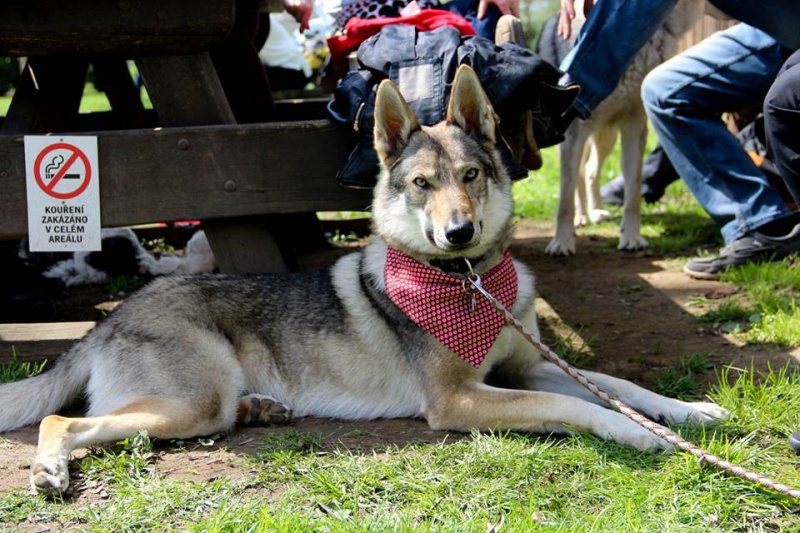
[754, 247]
[613, 192]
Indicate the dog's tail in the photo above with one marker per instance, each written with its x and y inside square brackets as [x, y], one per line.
[29, 400]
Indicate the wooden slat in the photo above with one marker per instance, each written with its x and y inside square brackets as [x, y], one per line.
[202, 172]
[37, 342]
[128, 27]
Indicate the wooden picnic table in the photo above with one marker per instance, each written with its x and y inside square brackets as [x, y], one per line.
[215, 146]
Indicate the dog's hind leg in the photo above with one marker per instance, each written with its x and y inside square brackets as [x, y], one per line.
[160, 417]
[601, 144]
[633, 134]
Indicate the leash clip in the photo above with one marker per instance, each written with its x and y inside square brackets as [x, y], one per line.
[472, 284]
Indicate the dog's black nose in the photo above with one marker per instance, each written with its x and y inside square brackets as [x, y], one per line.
[459, 232]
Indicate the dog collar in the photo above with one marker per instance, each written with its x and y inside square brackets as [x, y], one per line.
[441, 305]
[456, 266]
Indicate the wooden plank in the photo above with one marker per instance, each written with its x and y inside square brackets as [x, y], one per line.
[202, 172]
[128, 27]
[47, 96]
[114, 78]
[187, 91]
[37, 342]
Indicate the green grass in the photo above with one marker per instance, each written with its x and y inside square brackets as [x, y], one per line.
[300, 481]
[16, 369]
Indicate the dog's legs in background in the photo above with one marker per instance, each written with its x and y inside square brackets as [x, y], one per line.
[601, 143]
[633, 134]
[571, 149]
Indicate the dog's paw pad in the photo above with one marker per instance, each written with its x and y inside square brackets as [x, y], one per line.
[49, 477]
[256, 409]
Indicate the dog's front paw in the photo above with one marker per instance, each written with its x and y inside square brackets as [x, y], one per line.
[599, 215]
[50, 475]
[257, 409]
[706, 412]
[558, 247]
[632, 243]
[691, 412]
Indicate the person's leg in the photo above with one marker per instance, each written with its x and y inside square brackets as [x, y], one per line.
[468, 9]
[685, 98]
[657, 174]
[782, 124]
[614, 32]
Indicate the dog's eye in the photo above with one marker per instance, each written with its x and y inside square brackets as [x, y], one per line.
[421, 182]
[470, 175]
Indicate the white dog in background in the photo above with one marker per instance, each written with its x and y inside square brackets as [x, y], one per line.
[78, 270]
[589, 142]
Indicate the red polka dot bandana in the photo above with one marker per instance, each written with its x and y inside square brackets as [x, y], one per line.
[438, 302]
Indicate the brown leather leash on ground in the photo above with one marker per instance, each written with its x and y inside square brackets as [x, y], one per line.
[663, 432]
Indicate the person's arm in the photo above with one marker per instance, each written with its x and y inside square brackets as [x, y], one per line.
[568, 13]
[506, 7]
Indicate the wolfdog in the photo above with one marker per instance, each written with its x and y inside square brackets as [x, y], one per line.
[387, 332]
[588, 143]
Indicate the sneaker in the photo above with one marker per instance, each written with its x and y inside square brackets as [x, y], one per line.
[751, 248]
[509, 29]
[613, 192]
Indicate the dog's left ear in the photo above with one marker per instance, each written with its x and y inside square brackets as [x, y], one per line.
[469, 107]
[394, 122]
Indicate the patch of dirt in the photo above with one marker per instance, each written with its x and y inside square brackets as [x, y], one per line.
[630, 311]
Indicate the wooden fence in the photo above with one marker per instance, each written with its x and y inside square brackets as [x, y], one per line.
[704, 27]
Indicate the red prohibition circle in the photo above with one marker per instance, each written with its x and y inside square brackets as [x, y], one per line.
[76, 154]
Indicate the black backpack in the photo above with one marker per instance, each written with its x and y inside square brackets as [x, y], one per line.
[423, 64]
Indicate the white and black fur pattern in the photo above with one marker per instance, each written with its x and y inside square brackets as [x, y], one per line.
[190, 355]
[588, 142]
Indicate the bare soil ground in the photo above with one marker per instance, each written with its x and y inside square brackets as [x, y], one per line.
[629, 309]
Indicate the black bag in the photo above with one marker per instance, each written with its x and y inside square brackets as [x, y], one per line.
[423, 65]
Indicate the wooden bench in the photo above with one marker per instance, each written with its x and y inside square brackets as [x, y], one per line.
[215, 147]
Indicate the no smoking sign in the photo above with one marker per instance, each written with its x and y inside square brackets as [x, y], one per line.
[63, 193]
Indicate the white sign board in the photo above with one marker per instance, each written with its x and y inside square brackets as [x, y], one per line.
[63, 193]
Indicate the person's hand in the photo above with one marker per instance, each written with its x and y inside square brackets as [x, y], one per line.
[506, 7]
[301, 10]
[568, 13]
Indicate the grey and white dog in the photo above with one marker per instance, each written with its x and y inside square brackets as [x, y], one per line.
[190, 355]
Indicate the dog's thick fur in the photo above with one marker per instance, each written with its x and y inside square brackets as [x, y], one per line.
[588, 142]
[189, 356]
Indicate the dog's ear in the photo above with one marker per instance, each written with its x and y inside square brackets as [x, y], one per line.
[469, 107]
[394, 122]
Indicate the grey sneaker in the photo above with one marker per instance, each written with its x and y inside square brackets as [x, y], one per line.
[748, 249]
[509, 28]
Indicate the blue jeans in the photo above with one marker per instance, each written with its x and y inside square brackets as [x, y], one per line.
[469, 10]
[685, 98]
[616, 29]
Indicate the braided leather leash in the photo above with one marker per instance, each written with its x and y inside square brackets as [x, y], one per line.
[663, 432]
